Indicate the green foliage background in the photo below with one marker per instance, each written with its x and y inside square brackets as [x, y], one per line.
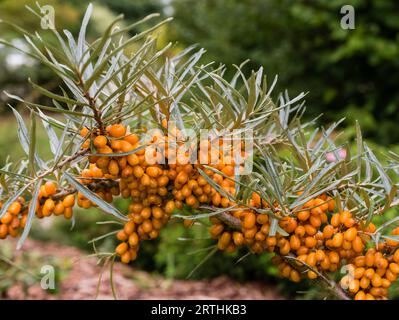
[348, 73]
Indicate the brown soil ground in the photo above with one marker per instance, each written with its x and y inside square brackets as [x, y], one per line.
[81, 281]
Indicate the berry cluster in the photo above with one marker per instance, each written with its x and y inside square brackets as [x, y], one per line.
[311, 240]
[316, 241]
[48, 203]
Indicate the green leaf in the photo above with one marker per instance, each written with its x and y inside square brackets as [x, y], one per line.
[32, 144]
[82, 32]
[52, 136]
[24, 137]
[22, 131]
[105, 206]
[101, 67]
[31, 214]
[56, 97]
[205, 259]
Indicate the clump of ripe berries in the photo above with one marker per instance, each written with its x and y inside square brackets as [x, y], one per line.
[14, 219]
[317, 240]
[155, 190]
[48, 203]
[312, 239]
[369, 276]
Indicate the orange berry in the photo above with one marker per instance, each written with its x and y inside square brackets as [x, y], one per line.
[14, 208]
[50, 188]
[84, 132]
[132, 139]
[289, 224]
[303, 215]
[113, 168]
[360, 295]
[69, 201]
[310, 242]
[331, 205]
[126, 146]
[295, 276]
[335, 220]
[334, 257]
[357, 244]
[7, 218]
[364, 282]
[295, 243]
[359, 272]
[396, 256]
[315, 221]
[328, 231]
[126, 257]
[49, 205]
[129, 227]
[300, 231]
[238, 238]
[310, 230]
[369, 259]
[350, 234]
[249, 220]
[337, 240]
[100, 142]
[59, 208]
[216, 229]
[133, 239]
[376, 280]
[121, 248]
[121, 236]
[394, 267]
[116, 130]
[68, 213]
[133, 159]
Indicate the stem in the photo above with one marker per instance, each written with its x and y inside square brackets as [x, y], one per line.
[235, 223]
[92, 104]
[63, 163]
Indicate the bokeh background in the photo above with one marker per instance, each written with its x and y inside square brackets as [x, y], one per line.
[351, 74]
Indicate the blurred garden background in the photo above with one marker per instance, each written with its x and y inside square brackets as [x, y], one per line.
[351, 74]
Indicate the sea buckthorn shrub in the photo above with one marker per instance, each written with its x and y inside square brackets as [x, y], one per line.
[180, 142]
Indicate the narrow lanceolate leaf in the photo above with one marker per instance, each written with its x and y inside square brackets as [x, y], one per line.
[384, 176]
[50, 133]
[359, 141]
[23, 136]
[389, 198]
[56, 97]
[12, 199]
[201, 263]
[31, 214]
[32, 144]
[82, 32]
[22, 131]
[273, 227]
[105, 206]
[370, 213]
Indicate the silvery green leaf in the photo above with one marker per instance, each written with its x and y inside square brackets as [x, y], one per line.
[103, 205]
[82, 32]
[31, 214]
